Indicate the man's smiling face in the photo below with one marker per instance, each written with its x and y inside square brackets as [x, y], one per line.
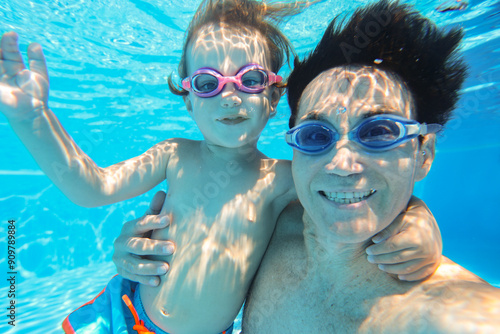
[351, 192]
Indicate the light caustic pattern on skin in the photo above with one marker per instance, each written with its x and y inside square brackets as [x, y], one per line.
[219, 239]
[452, 293]
[347, 167]
[226, 50]
[221, 216]
[359, 90]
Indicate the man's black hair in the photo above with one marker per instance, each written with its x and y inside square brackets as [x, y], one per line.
[395, 38]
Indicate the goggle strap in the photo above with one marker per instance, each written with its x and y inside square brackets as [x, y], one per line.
[186, 83]
[422, 129]
[288, 138]
[274, 78]
[414, 129]
[430, 128]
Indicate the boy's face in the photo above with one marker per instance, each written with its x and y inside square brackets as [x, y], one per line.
[363, 190]
[231, 119]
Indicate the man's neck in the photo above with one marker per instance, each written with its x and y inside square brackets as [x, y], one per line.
[336, 263]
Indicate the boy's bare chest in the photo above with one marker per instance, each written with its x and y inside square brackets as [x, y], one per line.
[226, 190]
[221, 201]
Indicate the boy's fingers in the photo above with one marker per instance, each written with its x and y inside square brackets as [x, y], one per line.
[141, 267]
[146, 246]
[390, 230]
[144, 267]
[146, 280]
[401, 268]
[153, 222]
[418, 275]
[12, 61]
[144, 224]
[390, 245]
[156, 203]
[395, 257]
[37, 61]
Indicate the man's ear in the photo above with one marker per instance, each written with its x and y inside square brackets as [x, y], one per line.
[275, 98]
[187, 102]
[425, 156]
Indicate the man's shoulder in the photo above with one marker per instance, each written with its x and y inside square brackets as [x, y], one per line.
[452, 300]
[461, 306]
[458, 293]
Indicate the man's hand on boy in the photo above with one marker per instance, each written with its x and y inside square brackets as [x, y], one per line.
[23, 92]
[411, 247]
[133, 244]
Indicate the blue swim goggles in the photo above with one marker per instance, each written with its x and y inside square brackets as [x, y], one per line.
[376, 133]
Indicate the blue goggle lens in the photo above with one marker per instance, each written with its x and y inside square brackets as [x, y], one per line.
[314, 137]
[379, 133]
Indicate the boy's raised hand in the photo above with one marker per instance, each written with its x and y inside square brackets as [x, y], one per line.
[411, 246]
[22, 91]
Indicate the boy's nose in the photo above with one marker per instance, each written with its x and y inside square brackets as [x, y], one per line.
[229, 96]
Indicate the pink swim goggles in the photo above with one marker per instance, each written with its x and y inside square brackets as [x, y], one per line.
[251, 78]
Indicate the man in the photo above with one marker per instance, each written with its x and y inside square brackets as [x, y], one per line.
[364, 118]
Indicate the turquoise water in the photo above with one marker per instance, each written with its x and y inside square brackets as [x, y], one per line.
[108, 63]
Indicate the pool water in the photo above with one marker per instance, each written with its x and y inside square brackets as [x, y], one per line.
[108, 63]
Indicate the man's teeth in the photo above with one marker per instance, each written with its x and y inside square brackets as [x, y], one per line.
[348, 197]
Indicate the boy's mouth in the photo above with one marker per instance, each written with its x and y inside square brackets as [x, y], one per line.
[231, 120]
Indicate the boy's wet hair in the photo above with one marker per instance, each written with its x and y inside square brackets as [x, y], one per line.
[395, 38]
[248, 15]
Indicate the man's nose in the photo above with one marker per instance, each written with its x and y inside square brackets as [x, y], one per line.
[344, 159]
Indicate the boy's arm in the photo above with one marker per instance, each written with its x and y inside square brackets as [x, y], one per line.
[409, 247]
[24, 101]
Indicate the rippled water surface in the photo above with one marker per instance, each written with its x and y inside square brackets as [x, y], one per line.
[108, 63]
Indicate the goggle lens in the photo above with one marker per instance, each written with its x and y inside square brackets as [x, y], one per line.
[256, 79]
[314, 137]
[379, 133]
[204, 83]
